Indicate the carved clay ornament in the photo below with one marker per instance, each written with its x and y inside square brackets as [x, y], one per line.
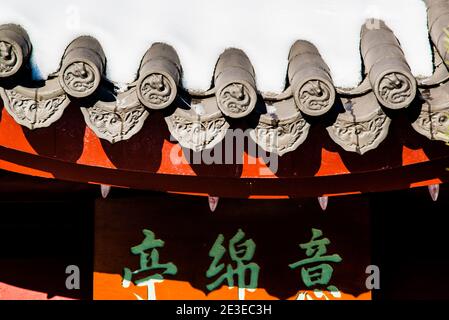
[363, 125]
[438, 22]
[281, 131]
[433, 120]
[15, 48]
[35, 108]
[235, 84]
[395, 89]
[200, 127]
[83, 66]
[388, 71]
[159, 77]
[116, 121]
[440, 74]
[203, 125]
[310, 79]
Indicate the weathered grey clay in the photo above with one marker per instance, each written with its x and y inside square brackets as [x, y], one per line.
[118, 120]
[35, 108]
[201, 124]
[433, 120]
[15, 49]
[438, 21]
[309, 76]
[159, 76]
[388, 71]
[440, 74]
[83, 66]
[235, 83]
[363, 125]
[200, 127]
[281, 130]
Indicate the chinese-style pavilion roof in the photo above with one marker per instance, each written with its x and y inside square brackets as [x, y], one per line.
[356, 121]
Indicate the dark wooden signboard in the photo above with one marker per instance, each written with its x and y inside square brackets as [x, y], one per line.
[165, 246]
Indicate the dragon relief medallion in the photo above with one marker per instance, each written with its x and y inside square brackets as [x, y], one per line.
[236, 100]
[395, 90]
[315, 97]
[9, 59]
[80, 78]
[156, 90]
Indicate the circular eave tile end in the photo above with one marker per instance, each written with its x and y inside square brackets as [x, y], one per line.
[237, 99]
[395, 89]
[80, 78]
[11, 57]
[157, 90]
[315, 97]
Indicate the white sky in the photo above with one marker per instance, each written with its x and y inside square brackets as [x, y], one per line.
[201, 29]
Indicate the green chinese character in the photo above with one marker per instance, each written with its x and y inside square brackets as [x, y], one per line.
[149, 261]
[316, 251]
[241, 253]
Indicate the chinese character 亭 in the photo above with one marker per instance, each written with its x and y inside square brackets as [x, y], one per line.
[151, 270]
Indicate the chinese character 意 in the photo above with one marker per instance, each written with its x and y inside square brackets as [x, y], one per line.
[316, 269]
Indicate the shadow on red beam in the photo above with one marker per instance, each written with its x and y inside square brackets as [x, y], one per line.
[405, 177]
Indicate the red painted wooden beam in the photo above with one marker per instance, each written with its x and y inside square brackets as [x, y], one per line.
[70, 151]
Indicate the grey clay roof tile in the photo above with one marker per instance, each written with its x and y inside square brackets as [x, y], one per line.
[360, 126]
